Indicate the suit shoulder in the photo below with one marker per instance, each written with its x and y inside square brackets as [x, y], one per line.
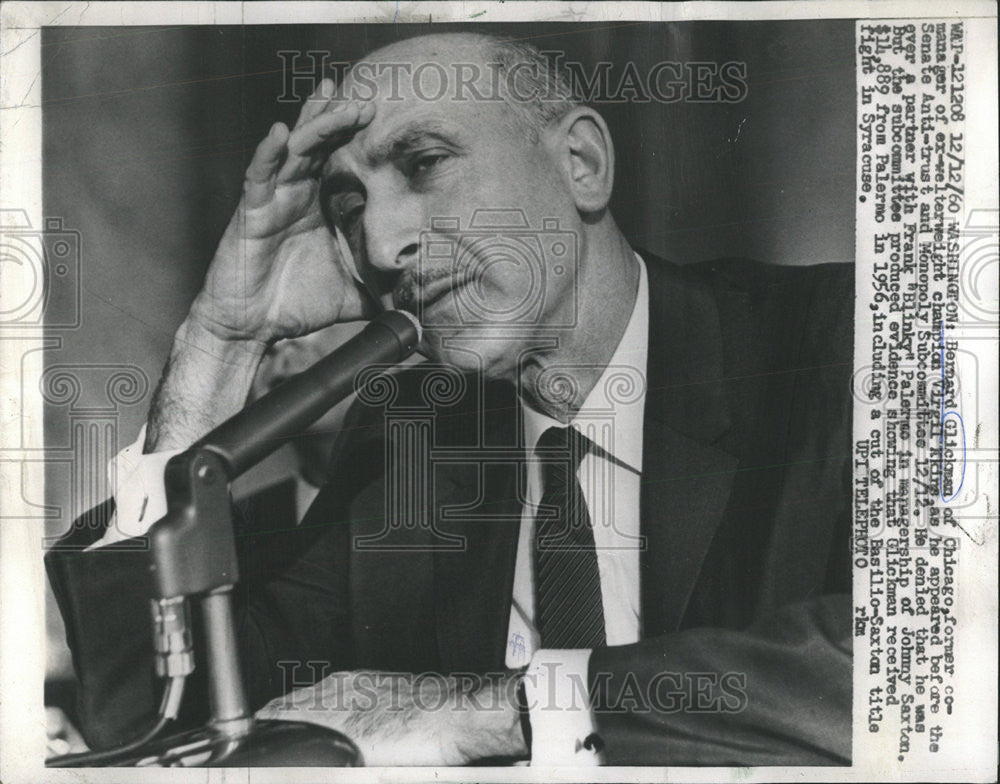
[750, 277]
[812, 304]
[810, 298]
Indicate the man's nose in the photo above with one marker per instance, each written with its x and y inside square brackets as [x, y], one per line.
[392, 232]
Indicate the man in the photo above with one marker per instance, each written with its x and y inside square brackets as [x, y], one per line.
[675, 548]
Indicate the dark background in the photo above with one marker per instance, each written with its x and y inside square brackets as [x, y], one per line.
[147, 132]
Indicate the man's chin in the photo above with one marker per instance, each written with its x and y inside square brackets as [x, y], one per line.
[490, 351]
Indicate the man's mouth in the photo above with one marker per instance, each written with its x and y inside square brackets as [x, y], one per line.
[432, 299]
[419, 299]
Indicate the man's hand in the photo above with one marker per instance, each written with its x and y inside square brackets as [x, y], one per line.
[278, 272]
[405, 719]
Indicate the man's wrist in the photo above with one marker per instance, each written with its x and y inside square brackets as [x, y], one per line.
[497, 719]
[206, 381]
[200, 333]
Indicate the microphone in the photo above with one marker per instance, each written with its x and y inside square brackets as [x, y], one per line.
[198, 518]
[286, 411]
[193, 554]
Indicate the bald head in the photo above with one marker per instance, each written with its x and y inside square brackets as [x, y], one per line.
[439, 47]
[463, 67]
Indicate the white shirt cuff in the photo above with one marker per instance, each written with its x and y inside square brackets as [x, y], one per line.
[136, 482]
[555, 688]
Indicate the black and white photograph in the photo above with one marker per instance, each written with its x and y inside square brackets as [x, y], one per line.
[516, 392]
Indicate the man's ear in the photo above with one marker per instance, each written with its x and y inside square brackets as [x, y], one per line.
[588, 155]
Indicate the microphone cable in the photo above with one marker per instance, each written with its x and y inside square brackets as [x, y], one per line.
[169, 708]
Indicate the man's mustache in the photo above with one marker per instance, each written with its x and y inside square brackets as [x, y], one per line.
[405, 293]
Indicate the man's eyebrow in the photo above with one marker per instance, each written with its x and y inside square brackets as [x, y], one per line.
[407, 138]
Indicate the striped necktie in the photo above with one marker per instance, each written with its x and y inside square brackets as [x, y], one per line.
[569, 612]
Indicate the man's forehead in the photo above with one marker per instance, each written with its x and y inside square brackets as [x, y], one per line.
[391, 128]
[437, 74]
[397, 124]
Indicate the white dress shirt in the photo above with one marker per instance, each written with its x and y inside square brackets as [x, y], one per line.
[612, 418]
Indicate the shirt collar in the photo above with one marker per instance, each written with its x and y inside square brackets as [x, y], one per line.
[618, 396]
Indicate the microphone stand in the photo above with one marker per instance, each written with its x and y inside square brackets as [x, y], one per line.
[193, 554]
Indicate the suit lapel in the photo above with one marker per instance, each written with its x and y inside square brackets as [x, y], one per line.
[686, 479]
[479, 501]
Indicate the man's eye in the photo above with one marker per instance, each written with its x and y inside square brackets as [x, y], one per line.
[424, 163]
[350, 209]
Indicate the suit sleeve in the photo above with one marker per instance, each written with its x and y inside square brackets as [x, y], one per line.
[291, 615]
[778, 693]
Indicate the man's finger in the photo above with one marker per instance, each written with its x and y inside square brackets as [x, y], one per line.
[267, 159]
[322, 127]
[316, 102]
[335, 125]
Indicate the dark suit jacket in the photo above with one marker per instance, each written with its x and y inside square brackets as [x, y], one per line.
[745, 579]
